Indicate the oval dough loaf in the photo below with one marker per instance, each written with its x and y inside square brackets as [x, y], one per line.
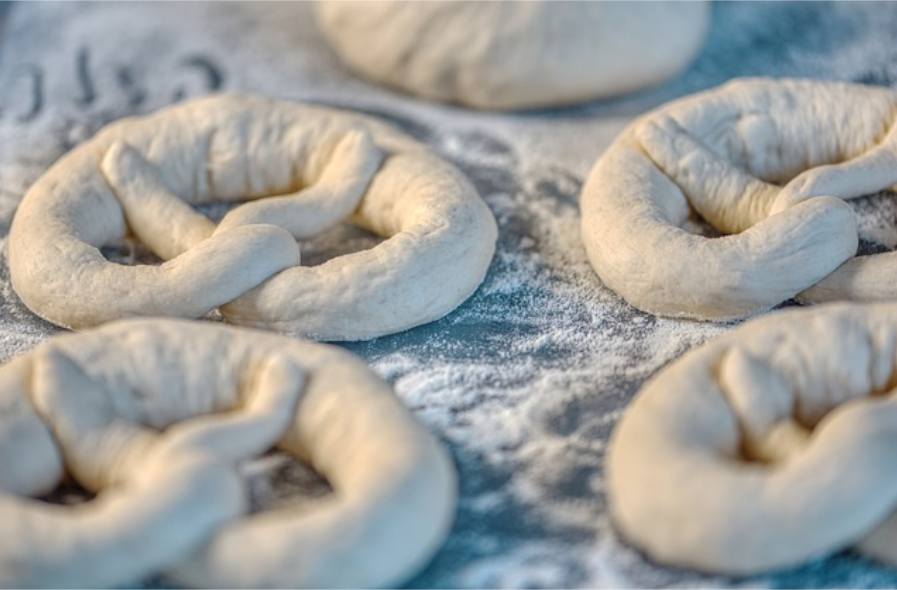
[302, 169]
[154, 415]
[767, 447]
[767, 162]
[511, 55]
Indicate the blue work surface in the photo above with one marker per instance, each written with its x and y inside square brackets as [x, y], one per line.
[525, 381]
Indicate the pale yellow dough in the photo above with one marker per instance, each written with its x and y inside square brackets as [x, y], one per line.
[767, 447]
[767, 163]
[513, 55]
[154, 416]
[302, 169]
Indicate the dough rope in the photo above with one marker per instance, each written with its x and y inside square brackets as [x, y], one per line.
[513, 55]
[302, 169]
[767, 447]
[767, 161]
[154, 415]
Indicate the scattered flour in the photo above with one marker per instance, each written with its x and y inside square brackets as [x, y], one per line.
[526, 380]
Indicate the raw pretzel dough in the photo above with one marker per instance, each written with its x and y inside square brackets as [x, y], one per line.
[141, 175]
[508, 55]
[767, 447]
[154, 414]
[767, 161]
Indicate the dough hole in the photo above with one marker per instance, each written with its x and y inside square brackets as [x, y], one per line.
[341, 240]
[278, 480]
[876, 222]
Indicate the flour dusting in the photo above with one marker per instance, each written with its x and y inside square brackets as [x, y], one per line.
[526, 380]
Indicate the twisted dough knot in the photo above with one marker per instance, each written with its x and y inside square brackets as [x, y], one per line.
[768, 161]
[769, 446]
[303, 169]
[154, 415]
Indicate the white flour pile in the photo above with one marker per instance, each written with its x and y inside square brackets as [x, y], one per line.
[526, 380]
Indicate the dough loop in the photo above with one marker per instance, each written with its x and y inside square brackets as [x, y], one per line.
[767, 161]
[513, 55]
[302, 169]
[769, 446]
[154, 415]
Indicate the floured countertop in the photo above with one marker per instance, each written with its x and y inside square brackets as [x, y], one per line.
[525, 381]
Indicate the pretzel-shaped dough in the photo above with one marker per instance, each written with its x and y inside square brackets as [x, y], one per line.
[724, 155]
[769, 446]
[315, 165]
[153, 414]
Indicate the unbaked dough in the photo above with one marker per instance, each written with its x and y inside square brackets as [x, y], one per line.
[302, 169]
[511, 55]
[767, 163]
[154, 415]
[767, 447]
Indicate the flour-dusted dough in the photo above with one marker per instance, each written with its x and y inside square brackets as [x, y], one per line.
[303, 169]
[767, 447]
[153, 414]
[510, 55]
[768, 161]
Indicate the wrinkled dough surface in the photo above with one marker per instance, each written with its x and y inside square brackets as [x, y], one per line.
[768, 164]
[154, 415]
[767, 447]
[512, 55]
[300, 170]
